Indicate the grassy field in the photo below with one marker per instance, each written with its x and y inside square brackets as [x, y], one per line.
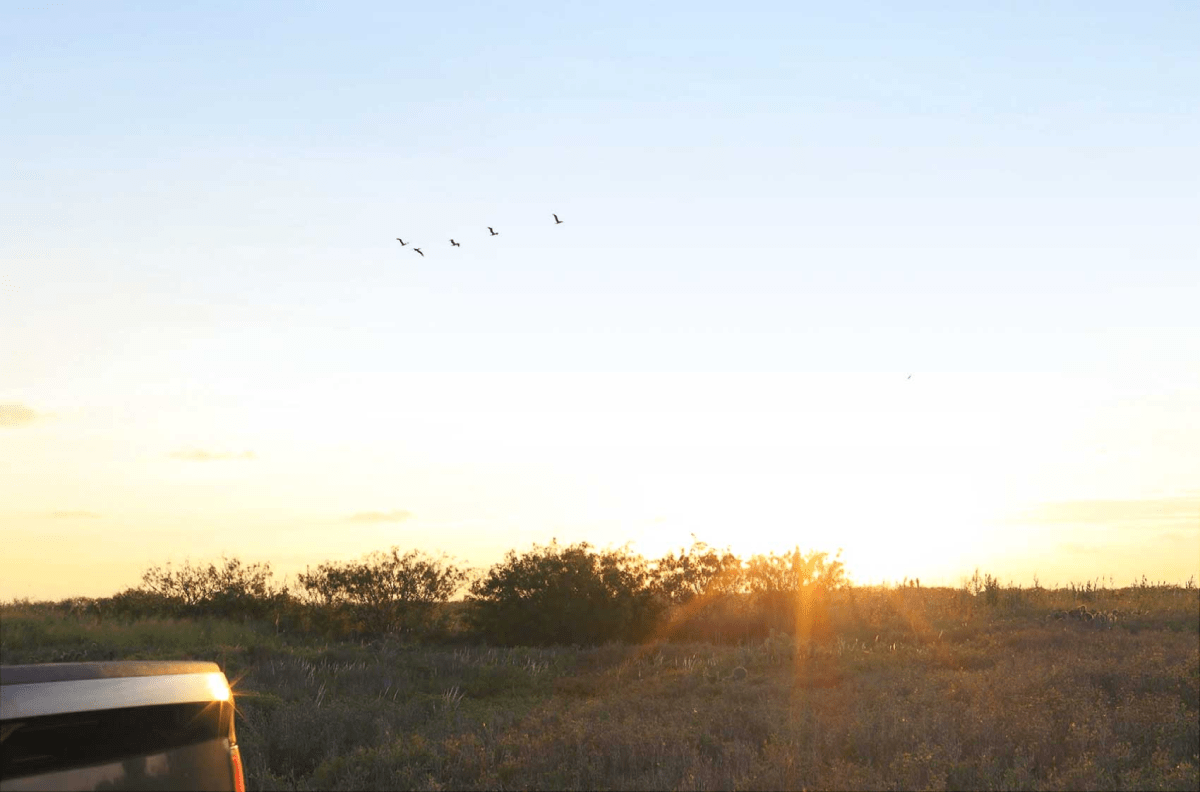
[915, 689]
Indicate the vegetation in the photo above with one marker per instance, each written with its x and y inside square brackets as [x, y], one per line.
[384, 593]
[823, 686]
[229, 590]
[564, 595]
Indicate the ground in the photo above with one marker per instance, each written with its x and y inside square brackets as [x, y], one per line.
[910, 690]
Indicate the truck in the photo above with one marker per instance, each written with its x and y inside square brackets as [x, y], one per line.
[152, 725]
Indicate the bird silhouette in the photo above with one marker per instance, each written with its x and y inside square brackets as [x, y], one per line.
[452, 242]
[556, 220]
[494, 233]
[419, 251]
[401, 241]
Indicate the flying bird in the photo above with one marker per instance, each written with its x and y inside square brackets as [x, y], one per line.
[401, 241]
[556, 220]
[494, 233]
[419, 251]
[452, 242]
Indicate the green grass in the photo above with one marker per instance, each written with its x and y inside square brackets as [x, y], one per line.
[912, 689]
[42, 633]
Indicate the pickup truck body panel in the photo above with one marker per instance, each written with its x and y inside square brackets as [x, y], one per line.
[115, 726]
[55, 698]
[200, 766]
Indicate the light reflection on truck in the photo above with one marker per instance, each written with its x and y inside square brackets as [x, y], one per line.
[117, 725]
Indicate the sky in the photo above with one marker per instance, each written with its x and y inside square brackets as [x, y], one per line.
[212, 342]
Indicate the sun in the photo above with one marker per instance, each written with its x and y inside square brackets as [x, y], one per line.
[888, 524]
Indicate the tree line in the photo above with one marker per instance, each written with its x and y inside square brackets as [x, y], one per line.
[549, 594]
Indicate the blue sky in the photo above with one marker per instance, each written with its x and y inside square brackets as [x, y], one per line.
[200, 205]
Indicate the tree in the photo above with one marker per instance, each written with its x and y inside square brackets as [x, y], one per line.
[231, 589]
[792, 590]
[701, 571]
[564, 595]
[386, 591]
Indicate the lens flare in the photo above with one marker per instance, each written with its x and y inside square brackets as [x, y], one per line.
[218, 687]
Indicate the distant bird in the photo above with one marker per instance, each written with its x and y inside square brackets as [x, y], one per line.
[419, 251]
[494, 233]
[556, 220]
[452, 242]
[910, 376]
[401, 241]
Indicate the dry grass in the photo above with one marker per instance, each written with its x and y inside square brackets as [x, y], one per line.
[913, 689]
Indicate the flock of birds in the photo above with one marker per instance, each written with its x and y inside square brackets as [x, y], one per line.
[491, 230]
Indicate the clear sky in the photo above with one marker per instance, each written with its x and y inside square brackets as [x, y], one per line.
[211, 341]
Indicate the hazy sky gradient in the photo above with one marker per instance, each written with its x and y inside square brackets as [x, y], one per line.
[211, 341]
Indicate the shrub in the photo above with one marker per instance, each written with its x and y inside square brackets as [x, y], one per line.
[383, 593]
[229, 590]
[791, 590]
[564, 595]
[701, 571]
[133, 603]
[717, 597]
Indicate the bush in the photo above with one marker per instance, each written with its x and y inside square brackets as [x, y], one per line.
[384, 593]
[701, 571]
[229, 590]
[133, 603]
[565, 595]
[792, 591]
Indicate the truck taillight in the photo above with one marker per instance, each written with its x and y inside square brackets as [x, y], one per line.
[239, 781]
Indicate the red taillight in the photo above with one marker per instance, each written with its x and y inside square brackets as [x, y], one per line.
[239, 781]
